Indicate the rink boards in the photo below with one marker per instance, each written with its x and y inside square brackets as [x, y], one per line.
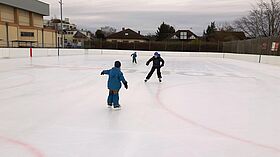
[44, 52]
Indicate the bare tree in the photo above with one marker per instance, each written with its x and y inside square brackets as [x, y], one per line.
[263, 20]
[225, 26]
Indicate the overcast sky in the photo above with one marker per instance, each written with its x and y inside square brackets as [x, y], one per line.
[147, 15]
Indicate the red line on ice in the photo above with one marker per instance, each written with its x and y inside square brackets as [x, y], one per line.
[34, 151]
[208, 128]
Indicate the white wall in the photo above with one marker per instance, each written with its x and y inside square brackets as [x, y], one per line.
[244, 57]
[41, 52]
[206, 54]
[37, 52]
[273, 60]
[14, 52]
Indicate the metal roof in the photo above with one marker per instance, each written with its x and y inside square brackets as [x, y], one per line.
[126, 34]
[29, 5]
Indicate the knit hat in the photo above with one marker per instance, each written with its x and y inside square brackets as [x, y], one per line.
[156, 54]
[117, 64]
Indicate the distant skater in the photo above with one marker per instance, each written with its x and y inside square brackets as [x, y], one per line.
[158, 62]
[114, 84]
[134, 56]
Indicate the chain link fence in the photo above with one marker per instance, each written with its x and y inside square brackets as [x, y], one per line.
[261, 46]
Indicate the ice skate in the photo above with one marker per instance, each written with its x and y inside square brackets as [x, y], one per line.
[117, 107]
[146, 80]
[109, 105]
[159, 79]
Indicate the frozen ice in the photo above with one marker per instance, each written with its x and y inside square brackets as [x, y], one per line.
[205, 107]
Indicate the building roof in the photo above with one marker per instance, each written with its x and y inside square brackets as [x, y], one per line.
[80, 35]
[29, 5]
[178, 33]
[226, 36]
[127, 34]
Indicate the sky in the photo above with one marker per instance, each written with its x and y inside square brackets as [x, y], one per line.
[147, 15]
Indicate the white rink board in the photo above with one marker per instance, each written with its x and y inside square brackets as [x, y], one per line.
[243, 57]
[40, 52]
[66, 52]
[273, 60]
[206, 54]
[14, 52]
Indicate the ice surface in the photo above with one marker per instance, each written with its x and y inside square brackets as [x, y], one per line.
[205, 107]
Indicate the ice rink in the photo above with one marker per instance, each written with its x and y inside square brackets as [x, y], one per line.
[205, 107]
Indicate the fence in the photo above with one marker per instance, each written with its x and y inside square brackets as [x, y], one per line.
[262, 46]
[183, 46]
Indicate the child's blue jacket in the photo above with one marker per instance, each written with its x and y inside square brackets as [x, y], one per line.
[115, 78]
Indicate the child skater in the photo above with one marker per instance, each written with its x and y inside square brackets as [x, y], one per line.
[134, 56]
[114, 84]
[158, 62]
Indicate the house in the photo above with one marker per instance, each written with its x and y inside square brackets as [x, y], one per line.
[126, 35]
[76, 38]
[182, 35]
[224, 36]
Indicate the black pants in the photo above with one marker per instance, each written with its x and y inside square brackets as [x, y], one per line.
[134, 60]
[152, 71]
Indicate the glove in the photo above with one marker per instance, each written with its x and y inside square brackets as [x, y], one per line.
[102, 73]
[125, 85]
[147, 64]
[161, 65]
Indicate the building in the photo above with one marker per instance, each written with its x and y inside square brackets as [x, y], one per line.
[126, 35]
[73, 37]
[21, 24]
[76, 38]
[56, 24]
[68, 28]
[182, 35]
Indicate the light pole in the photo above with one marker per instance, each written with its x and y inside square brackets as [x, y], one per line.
[61, 27]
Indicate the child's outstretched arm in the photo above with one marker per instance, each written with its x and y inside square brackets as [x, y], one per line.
[105, 72]
[148, 62]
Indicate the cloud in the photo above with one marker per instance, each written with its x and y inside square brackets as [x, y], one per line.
[147, 15]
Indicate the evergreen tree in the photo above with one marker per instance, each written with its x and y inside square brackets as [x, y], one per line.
[210, 29]
[99, 34]
[164, 30]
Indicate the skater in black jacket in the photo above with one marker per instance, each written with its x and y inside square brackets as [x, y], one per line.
[134, 56]
[158, 62]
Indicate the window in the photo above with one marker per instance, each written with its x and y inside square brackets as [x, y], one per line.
[126, 34]
[27, 34]
[183, 35]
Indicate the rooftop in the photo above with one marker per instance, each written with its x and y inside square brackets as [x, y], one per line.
[29, 5]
